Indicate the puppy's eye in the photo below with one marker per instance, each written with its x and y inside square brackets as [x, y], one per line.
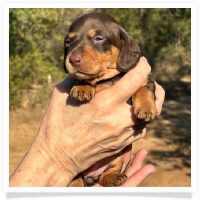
[67, 42]
[98, 38]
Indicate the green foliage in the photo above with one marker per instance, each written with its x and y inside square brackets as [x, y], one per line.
[129, 18]
[161, 33]
[36, 47]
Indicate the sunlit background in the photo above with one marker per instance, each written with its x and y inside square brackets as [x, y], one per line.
[36, 65]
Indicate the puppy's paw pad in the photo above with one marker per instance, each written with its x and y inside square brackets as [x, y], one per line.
[146, 111]
[146, 115]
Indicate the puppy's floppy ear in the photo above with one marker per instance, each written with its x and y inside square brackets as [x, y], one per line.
[129, 53]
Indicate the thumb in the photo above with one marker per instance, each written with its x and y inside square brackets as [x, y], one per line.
[130, 82]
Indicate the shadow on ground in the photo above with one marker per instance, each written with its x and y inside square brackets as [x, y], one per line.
[174, 127]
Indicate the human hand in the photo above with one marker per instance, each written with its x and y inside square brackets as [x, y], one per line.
[73, 135]
[86, 133]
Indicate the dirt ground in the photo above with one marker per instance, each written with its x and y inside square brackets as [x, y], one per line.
[167, 140]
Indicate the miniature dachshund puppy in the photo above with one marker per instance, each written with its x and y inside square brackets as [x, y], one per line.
[98, 52]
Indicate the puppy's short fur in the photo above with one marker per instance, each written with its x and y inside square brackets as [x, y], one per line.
[98, 51]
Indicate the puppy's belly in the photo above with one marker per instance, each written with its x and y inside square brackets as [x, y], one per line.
[98, 168]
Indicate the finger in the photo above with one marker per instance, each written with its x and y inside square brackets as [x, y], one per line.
[136, 178]
[137, 162]
[125, 117]
[128, 137]
[126, 156]
[130, 82]
[125, 113]
[139, 133]
[160, 96]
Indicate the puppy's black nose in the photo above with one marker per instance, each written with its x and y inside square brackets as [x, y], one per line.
[75, 60]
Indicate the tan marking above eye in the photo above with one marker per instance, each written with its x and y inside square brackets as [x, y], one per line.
[72, 35]
[91, 32]
[111, 57]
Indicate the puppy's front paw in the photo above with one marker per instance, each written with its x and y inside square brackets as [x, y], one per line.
[77, 182]
[145, 110]
[82, 92]
[112, 179]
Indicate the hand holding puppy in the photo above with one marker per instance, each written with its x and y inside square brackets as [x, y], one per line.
[73, 136]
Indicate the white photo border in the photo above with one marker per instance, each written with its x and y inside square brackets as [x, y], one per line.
[92, 4]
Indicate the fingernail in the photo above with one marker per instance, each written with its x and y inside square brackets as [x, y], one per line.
[143, 58]
[145, 153]
[154, 169]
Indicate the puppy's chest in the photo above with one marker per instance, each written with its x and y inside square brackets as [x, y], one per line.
[107, 83]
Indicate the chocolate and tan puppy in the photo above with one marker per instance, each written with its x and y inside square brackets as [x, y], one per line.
[98, 51]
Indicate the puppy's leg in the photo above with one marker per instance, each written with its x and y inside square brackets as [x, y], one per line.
[144, 100]
[77, 182]
[83, 91]
[112, 176]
